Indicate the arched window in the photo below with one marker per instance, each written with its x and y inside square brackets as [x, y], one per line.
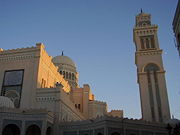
[142, 43]
[33, 130]
[72, 76]
[152, 42]
[11, 129]
[69, 75]
[79, 106]
[64, 74]
[60, 72]
[49, 131]
[147, 43]
[151, 67]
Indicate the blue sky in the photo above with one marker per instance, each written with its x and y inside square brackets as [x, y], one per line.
[98, 36]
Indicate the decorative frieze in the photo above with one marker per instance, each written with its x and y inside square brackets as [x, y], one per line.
[149, 52]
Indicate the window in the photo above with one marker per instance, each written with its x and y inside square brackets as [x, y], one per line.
[79, 106]
[12, 85]
[69, 75]
[43, 83]
[72, 76]
[147, 43]
[152, 42]
[66, 75]
[61, 72]
[151, 67]
[142, 43]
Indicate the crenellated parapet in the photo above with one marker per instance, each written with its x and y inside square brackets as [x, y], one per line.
[109, 125]
[116, 113]
[98, 102]
[20, 53]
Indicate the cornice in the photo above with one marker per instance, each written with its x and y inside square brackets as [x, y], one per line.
[5, 58]
[144, 73]
[19, 54]
[148, 52]
[146, 27]
[19, 50]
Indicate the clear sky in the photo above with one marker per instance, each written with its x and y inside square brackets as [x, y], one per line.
[98, 36]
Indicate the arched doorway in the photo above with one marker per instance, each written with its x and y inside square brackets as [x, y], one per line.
[99, 134]
[49, 131]
[33, 130]
[11, 129]
[115, 133]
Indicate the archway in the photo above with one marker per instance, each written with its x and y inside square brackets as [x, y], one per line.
[33, 130]
[11, 129]
[99, 134]
[49, 131]
[151, 67]
[115, 133]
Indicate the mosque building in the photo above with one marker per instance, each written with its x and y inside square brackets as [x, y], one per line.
[40, 94]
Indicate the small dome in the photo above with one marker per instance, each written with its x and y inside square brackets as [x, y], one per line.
[6, 102]
[63, 60]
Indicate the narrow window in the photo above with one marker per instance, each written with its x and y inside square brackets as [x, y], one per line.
[79, 106]
[42, 83]
[142, 43]
[64, 74]
[69, 75]
[152, 42]
[72, 76]
[147, 43]
[61, 72]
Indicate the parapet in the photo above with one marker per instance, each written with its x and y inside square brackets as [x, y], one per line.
[116, 113]
[97, 102]
[40, 45]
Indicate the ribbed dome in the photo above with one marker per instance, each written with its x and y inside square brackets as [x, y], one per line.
[6, 102]
[63, 60]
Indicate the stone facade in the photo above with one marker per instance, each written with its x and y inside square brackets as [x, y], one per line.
[23, 120]
[107, 125]
[48, 100]
[150, 70]
[32, 81]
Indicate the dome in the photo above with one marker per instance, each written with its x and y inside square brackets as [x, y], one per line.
[6, 102]
[63, 60]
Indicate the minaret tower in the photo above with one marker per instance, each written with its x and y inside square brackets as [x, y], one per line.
[150, 70]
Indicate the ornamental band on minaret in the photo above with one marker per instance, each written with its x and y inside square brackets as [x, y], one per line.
[150, 70]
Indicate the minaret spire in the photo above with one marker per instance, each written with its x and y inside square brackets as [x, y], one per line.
[141, 11]
[62, 53]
